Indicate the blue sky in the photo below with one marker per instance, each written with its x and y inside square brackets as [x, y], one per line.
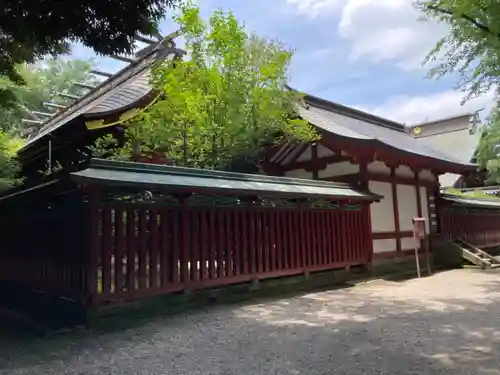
[362, 53]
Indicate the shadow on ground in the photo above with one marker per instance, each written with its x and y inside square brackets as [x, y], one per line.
[445, 324]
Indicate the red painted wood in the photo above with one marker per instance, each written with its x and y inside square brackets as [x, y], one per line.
[155, 249]
[252, 242]
[143, 248]
[259, 228]
[204, 247]
[213, 245]
[120, 251]
[166, 249]
[272, 240]
[194, 233]
[185, 242]
[245, 243]
[131, 250]
[237, 242]
[265, 241]
[176, 244]
[220, 243]
[229, 244]
[279, 240]
[95, 247]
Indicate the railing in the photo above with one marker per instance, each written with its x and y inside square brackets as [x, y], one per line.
[144, 250]
[481, 229]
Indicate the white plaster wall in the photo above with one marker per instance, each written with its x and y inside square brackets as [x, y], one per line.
[305, 156]
[379, 167]
[404, 171]
[425, 207]
[408, 243]
[426, 175]
[407, 204]
[299, 173]
[384, 246]
[324, 151]
[338, 169]
[382, 213]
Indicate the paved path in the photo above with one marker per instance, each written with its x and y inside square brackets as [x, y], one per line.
[446, 324]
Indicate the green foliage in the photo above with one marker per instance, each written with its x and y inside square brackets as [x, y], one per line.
[470, 194]
[472, 47]
[41, 82]
[31, 30]
[9, 166]
[488, 152]
[226, 100]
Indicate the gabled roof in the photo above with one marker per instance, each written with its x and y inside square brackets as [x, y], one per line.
[118, 93]
[350, 123]
[463, 121]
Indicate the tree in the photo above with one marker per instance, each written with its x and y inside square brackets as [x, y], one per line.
[41, 83]
[224, 102]
[9, 167]
[31, 30]
[489, 147]
[472, 47]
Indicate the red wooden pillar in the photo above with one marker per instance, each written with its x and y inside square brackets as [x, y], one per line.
[94, 245]
[395, 208]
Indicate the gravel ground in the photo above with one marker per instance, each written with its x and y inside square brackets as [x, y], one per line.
[445, 324]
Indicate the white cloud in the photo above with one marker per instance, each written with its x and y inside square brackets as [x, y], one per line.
[313, 8]
[415, 109]
[388, 30]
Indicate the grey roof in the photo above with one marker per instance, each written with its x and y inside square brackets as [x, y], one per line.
[343, 124]
[472, 202]
[125, 174]
[124, 88]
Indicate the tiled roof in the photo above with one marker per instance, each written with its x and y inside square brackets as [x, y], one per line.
[342, 124]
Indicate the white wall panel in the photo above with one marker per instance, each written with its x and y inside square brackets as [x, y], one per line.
[379, 167]
[407, 205]
[382, 213]
[339, 169]
[384, 246]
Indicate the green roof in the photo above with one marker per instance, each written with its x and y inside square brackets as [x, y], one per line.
[472, 202]
[128, 174]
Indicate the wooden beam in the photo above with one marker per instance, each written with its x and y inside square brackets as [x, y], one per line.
[395, 207]
[321, 163]
[314, 160]
[397, 235]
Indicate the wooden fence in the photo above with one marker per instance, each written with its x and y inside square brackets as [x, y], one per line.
[143, 249]
[479, 228]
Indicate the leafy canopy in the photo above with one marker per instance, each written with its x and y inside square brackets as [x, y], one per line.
[31, 30]
[9, 167]
[224, 102]
[472, 46]
[41, 83]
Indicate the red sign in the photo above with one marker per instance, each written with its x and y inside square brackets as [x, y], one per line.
[419, 228]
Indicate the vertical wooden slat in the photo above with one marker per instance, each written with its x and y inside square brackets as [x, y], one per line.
[131, 249]
[259, 227]
[237, 242]
[166, 248]
[185, 259]
[176, 245]
[251, 234]
[245, 252]
[119, 244]
[213, 245]
[292, 224]
[303, 239]
[154, 248]
[194, 234]
[229, 243]
[272, 241]
[220, 243]
[278, 238]
[95, 246]
[142, 236]
[265, 241]
[204, 246]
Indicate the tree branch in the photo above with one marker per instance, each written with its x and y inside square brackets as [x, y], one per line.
[473, 21]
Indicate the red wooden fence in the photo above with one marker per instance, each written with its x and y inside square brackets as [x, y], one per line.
[146, 250]
[481, 229]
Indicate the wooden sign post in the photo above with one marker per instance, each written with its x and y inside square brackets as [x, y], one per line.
[418, 237]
